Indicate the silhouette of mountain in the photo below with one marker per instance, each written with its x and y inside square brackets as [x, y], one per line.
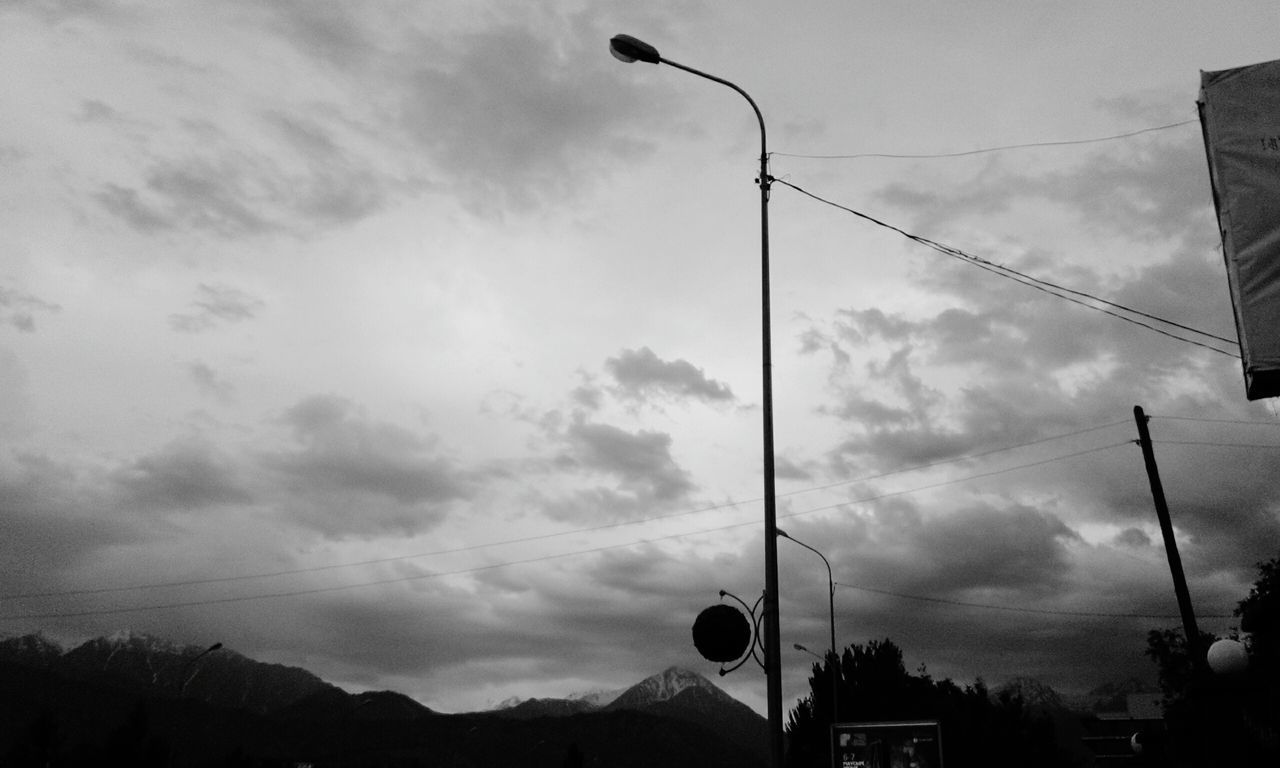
[665, 686]
[685, 695]
[334, 704]
[220, 677]
[529, 708]
[134, 699]
[674, 693]
[30, 650]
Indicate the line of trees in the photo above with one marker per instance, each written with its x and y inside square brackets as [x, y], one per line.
[979, 727]
[1211, 719]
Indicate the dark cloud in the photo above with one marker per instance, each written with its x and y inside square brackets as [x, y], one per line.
[185, 476]
[357, 477]
[587, 396]
[127, 204]
[194, 193]
[214, 195]
[641, 461]
[330, 32]
[50, 513]
[515, 119]
[1154, 187]
[640, 373]
[1132, 537]
[92, 111]
[982, 590]
[995, 548]
[334, 188]
[217, 304]
[210, 383]
[59, 11]
[301, 173]
[19, 309]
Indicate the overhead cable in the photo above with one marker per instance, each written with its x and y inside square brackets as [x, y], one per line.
[1015, 609]
[543, 536]
[504, 564]
[988, 149]
[1041, 285]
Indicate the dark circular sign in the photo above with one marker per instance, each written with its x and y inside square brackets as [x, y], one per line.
[721, 633]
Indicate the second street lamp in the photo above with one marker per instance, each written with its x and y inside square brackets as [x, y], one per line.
[628, 49]
[833, 659]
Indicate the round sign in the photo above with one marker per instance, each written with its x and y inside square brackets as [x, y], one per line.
[721, 633]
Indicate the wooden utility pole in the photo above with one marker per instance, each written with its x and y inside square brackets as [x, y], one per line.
[1198, 658]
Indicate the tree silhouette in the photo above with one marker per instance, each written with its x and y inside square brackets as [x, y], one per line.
[1225, 719]
[873, 685]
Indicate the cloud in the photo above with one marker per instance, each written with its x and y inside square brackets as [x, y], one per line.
[641, 460]
[1015, 547]
[58, 11]
[209, 383]
[516, 119]
[93, 110]
[19, 309]
[127, 204]
[185, 476]
[640, 373]
[634, 472]
[217, 304]
[329, 32]
[1154, 188]
[355, 477]
[284, 172]
[51, 514]
[1132, 537]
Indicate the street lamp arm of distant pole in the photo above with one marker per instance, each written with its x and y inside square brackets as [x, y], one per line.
[831, 584]
[831, 603]
[628, 49]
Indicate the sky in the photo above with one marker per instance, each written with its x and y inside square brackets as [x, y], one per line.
[419, 343]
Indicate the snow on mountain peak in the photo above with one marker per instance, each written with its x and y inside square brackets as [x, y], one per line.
[667, 684]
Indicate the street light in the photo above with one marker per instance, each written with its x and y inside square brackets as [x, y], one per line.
[800, 647]
[831, 603]
[628, 49]
[191, 664]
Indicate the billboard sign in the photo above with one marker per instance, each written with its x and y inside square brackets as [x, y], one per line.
[891, 744]
[1240, 116]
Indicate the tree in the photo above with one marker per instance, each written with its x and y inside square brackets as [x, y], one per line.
[873, 685]
[1224, 719]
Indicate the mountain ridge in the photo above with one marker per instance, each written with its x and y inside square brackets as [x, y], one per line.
[127, 695]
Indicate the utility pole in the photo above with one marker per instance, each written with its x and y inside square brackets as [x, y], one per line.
[1198, 658]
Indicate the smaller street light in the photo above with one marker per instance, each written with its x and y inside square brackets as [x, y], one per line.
[831, 602]
[190, 666]
[800, 647]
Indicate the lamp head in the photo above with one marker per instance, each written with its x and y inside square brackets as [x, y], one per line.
[627, 48]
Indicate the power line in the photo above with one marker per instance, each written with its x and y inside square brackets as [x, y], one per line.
[944, 483]
[541, 558]
[1015, 609]
[538, 537]
[989, 149]
[966, 457]
[1033, 282]
[1216, 445]
[1219, 421]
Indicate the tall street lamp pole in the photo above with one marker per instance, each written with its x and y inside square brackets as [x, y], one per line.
[629, 49]
[831, 603]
